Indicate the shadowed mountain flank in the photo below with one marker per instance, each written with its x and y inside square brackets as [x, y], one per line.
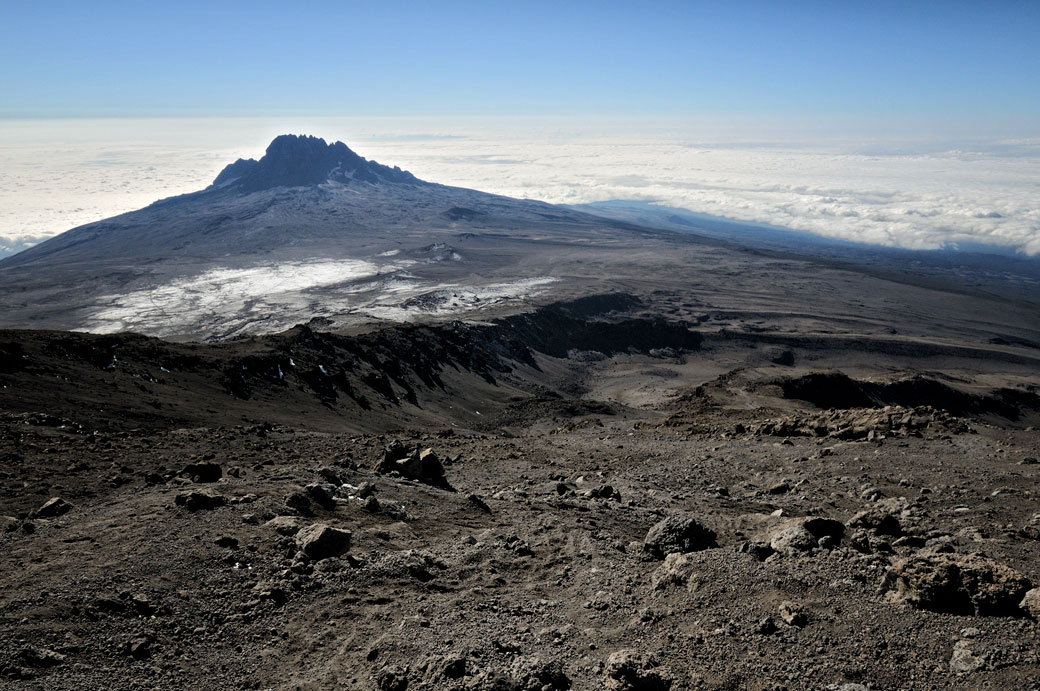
[369, 381]
[839, 391]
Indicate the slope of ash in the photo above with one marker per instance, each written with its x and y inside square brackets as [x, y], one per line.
[582, 496]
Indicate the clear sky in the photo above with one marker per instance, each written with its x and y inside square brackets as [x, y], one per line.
[960, 62]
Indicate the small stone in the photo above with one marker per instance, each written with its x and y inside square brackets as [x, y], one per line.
[759, 550]
[804, 534]
[422, 466]
[675, 571]
[478, 502]
[53, 507]
[330, 475]
[627, 670]
[878, 521]
[203, 472]
[964, 660]
[1031, 603]
[766, 627]
[142, 604]
[284, 525]
[140, 647]
[200, 501]
[792, 614]
[322, 495]
[299, 502]
[40, 657]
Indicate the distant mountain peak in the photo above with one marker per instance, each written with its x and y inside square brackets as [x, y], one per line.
[303, 160]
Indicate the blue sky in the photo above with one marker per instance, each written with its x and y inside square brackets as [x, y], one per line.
[954, 62]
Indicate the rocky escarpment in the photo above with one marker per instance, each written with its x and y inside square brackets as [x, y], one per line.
[367, 380]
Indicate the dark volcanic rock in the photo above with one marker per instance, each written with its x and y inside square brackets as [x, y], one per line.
[140, 647]
[956, 584]
[203, 472]
[298, 161]
[200, 501]
[391, 678]
[321, 541]
[415, 464]
[299, 502]
[322, 495]
[677, 534]
[53, 507]
[40, 657]
[879, 521]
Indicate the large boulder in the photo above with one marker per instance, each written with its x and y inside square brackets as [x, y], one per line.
[677, 534]
[421, 465]
[956, 584]
[321, 541]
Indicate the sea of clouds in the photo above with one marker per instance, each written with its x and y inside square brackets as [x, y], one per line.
[917, 193]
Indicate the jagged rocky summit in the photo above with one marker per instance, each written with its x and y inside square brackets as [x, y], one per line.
[302, 160]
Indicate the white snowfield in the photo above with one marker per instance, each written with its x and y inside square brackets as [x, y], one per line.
[272, 297]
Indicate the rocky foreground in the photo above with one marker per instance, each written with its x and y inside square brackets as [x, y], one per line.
[774, 528]
[611, 556]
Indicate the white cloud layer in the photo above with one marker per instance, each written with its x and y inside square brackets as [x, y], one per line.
[924, 194]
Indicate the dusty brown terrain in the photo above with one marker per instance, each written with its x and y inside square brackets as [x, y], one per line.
[862, 484]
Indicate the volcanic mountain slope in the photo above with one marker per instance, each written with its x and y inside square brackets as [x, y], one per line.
[312, 230]
[309, 229]
[322, 199]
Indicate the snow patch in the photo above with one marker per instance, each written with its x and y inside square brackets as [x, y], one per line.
[240, 295]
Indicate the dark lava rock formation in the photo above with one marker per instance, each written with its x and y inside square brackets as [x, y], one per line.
[298, 161]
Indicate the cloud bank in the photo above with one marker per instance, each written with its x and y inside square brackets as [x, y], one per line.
[925, 194]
